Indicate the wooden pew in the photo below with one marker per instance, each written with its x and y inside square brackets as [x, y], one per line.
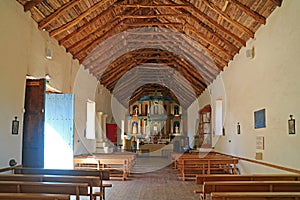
[117, 167]
[81, 162]
[201, 156]
[92, 181]
[192, 167]
[201, 178]
[99, 174]
[44, 187]
[33, 196]
[248, 186]
[255, 195]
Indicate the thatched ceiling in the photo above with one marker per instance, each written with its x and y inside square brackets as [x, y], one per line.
[137, 47]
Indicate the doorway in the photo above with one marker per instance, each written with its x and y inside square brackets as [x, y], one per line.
[48, 130]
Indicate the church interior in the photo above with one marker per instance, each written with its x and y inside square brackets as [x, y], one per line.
[150, 99]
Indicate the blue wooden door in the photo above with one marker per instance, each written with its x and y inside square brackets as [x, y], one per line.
[59, 131]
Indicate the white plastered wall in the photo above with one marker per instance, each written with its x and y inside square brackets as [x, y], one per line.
[270, 80]
[22, 51]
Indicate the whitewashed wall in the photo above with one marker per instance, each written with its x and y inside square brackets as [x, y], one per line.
[22, 51]
[270, 81]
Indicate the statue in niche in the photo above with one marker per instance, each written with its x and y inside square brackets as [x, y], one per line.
[176, 129]
[155, 108]
[176, 110]
[176, 126]
[135, 110]
[134, 127]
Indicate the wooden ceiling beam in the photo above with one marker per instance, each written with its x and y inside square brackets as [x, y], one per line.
[211, 52]
[277, 2]
[213, 23]
[191, 76]
[148, 16]
[209, 41]
[259, 18]
[115, 76]
[75, 21]
[228, 19]
[83, 42]
[55, 15]
[87, 25]
[206, 39]
[231, 46]
[155, 6]
[30, 4]
[149, 24]
[104, 35]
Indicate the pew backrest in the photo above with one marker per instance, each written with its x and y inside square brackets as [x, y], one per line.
[104, 175]
[255, 195]
[201, 178]
[251, 186]
[44, 187]
[34, 196]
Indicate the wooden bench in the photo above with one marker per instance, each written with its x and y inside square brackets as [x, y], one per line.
[72, 175]
[81, 162]
[190, 168]
[92, 181]
[44, 187]
[201, 178]
[248, 186]
[255, 195]
[117, 167]
[201, 156]
[34, 196]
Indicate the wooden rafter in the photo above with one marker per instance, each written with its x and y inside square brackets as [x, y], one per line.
[55, 15]
[197, 12]
[193, 39]
[72, 23]
[277, 2]
[155, 6]
[227, 18]
[259, 18]
[104, 35]
[192, 76]
[31, 4]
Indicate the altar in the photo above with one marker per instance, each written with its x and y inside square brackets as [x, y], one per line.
[154, 118]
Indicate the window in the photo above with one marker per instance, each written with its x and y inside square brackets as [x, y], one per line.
[219, 117]
[90, 119]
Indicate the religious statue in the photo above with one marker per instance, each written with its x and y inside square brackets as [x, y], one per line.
[176, 129]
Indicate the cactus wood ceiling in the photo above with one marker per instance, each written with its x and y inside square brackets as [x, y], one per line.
[140, 47]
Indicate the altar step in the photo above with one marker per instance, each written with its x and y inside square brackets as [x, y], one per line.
[104, 147]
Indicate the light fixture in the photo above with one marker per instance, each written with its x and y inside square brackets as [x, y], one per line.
[250, 53]
[48, 53]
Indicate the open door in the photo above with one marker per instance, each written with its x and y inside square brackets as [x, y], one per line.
[33, 128]
[59, 131]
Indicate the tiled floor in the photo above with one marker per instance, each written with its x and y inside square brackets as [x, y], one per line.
[152, 179]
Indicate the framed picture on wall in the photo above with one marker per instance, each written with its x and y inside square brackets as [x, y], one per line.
[291, 124]
[260, 119]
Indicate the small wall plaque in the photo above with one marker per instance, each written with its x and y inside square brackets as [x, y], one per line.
[15, 126]
[291, 124]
